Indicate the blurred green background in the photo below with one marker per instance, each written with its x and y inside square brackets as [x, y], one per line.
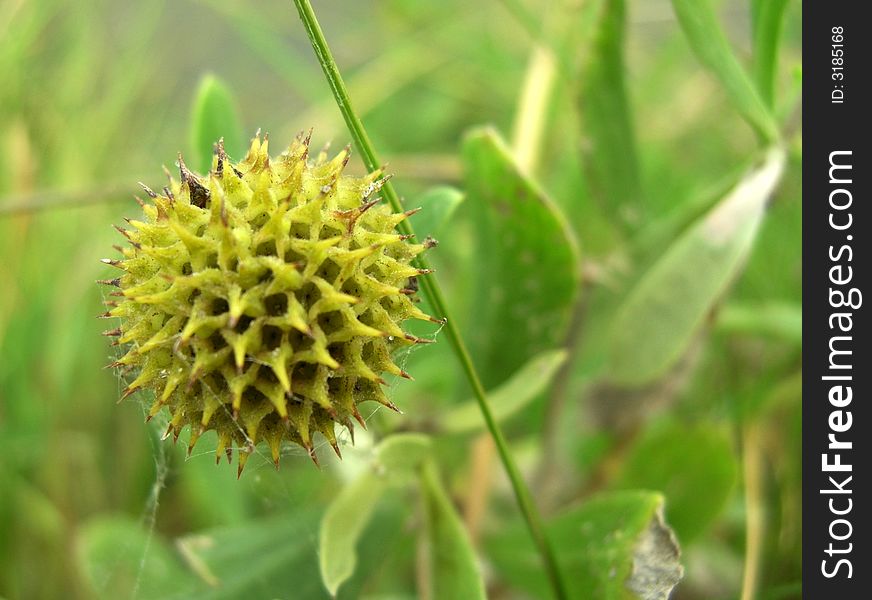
[633, 139]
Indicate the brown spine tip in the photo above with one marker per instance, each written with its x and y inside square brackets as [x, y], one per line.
[199, 194]
[412, 211]
[127, 392]
[405, 375]
[151, 193]
[392, 406]
[105, 315]
[358, 418]
[228, 452]
[375, 186]
[367, 205]
[121, 230]
[112, 332]
[336, 449]
[417, 340]
[222, 156]
[430, 242]
[426, 271]
[139, 201]
[313, 456]
[112, 262]
[441, 321]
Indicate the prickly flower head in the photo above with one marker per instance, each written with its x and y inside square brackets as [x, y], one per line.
[265, 299]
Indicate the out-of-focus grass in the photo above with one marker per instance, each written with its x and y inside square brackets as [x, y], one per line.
[96, 94]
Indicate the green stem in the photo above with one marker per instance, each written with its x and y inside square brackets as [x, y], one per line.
[434, 295]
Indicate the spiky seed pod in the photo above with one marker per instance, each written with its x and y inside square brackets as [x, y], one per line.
[264, 300]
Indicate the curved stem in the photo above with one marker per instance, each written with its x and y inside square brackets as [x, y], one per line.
[434, 295]
[755, 521]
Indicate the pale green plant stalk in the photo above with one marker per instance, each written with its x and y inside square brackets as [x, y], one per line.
[434, 295]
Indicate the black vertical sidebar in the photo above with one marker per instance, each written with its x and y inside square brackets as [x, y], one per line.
[837, 420]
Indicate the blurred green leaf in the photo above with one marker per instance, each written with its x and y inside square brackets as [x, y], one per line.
[694, 467]
[214, 116]
[669, 305]
[766, 19]
[397, 458]
[266, 37]
[700, 24]
[784, 396]
[438, 205]
[607, 547]
[510, 397]
[656, 235]
[120, 559]
[607, 121]
[454, 570]
[342, 525]
[771, 319]
[203, 485]
[260, 559]
[400, 455]
[528, 261]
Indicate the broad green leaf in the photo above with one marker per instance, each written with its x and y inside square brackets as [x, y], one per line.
[606, 119]
[120, 559]
[454, 570]
[396, 460]
[651, 240]
[612, 547]
[214, 116]
[669, 305]
[527, 260]
[510, 397]
[437, 205]
[342, 525]
[259, 559]
[700, 24]
[779, 320]
[694, 467]
[767, 17]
